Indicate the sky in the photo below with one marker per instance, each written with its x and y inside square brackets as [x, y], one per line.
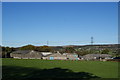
[59, 23]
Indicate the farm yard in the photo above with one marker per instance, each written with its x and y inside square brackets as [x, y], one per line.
[36, 68]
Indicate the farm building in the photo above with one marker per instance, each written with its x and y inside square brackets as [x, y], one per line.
[26, 54]
[96, 56]
[71, 56]
[55, 56]
[46, 53]
[58, 56]
[30, 54]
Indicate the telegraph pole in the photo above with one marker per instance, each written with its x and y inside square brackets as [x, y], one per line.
[92, 48]
[92, 40]
[47, 43]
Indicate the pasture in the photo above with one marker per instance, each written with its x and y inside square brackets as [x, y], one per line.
[35, 68]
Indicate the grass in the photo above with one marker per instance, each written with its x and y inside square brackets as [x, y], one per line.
[21, 68]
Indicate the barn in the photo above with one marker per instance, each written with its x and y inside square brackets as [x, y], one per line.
[64, 56]
[96, 56]
[71, 56]
[55, 56]
[26, 54]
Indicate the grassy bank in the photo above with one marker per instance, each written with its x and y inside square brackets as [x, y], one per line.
[18, 68]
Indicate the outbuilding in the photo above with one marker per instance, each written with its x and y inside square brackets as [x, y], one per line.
[96, 56]
[26, 54]
[55, 56]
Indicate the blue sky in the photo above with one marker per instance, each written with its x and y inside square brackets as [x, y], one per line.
[59, 23]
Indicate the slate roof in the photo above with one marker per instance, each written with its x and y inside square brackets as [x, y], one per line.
[56, 55]
[24, 52]
[47, 55]
[21, 51]
[97, 55]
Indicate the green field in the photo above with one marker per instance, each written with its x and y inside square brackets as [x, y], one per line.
[35, 68]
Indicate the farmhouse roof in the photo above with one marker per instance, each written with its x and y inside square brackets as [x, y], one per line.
[23, 51]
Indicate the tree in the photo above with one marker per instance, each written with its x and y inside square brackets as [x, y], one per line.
[44, 49]
[6, 51]
[82, 52]
[105, 51]
[69, 50]
[116, 53]
[28, 47]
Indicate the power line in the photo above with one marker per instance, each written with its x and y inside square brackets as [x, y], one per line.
[52, 42]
